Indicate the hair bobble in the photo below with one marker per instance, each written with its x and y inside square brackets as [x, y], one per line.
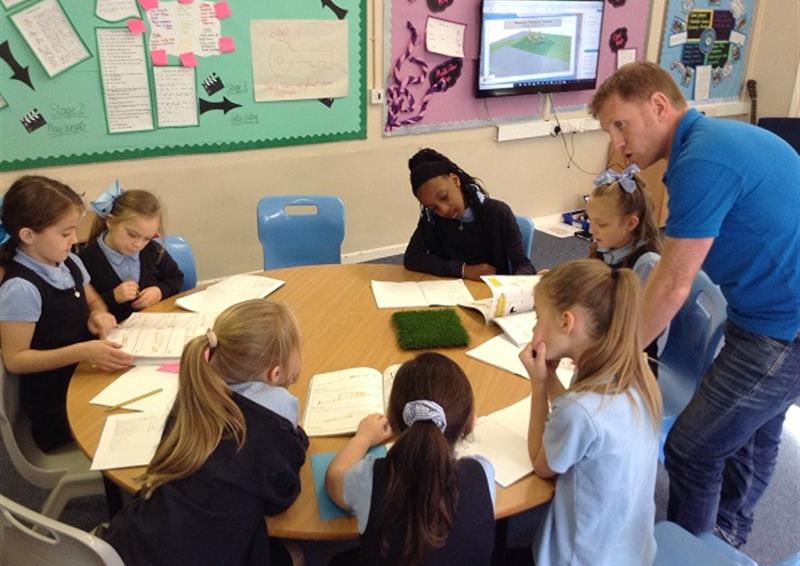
[103, 204]
[626, 178]
[424, 410]
[212, 339]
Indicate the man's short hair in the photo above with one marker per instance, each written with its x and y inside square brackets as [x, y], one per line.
[637, 82]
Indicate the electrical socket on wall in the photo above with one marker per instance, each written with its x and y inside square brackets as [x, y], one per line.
[376, 96]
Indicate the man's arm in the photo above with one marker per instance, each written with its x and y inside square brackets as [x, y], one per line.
[670, 282]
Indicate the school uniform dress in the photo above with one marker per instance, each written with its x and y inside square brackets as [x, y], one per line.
[471, 539]
[216, 515]
[152, 266]
[53, 297]
[605, 450]
[488, 233]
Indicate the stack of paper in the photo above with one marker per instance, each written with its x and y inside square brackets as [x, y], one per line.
[445, 292]
[131, 439]
[218, 297]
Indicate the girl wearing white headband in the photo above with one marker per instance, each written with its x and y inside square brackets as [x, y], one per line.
[407, 504]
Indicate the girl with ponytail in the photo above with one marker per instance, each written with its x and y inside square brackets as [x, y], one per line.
[232, 451]
[462, 232]
[419, 504]
[600, 438]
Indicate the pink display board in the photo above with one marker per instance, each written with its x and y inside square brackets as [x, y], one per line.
[457, 107]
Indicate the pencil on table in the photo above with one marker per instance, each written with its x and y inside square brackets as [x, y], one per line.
[137, 398]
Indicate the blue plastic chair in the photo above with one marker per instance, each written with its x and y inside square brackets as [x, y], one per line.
[527, 229]
[694, 338]
[289, 239]
[181, 252]
[678, 546]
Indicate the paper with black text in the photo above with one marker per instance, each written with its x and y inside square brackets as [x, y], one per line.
[228, 292]
[129, 440]
[338, 400]
[442, 292]
[156, 338]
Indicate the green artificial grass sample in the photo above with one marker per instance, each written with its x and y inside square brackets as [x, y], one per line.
[417, 330]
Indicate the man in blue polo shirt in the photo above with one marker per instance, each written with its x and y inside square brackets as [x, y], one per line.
[734, 210]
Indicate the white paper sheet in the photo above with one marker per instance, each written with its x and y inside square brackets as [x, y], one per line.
[181, 28]
[116, 10]
[176, 96]
[299, 59]
[447, 292]
[518, 327]
[678, 38]
[501, 352]
[702, 82]
[216, 298]
[138, 381]
[625, 56]
[129, 440]
[737, 37]
[444, 37]
[51, 36]
[156, 338]
[125, 80]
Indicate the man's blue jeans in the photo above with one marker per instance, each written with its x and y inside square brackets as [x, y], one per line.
[721, 453]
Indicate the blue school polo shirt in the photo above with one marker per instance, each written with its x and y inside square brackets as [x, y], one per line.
[740, 185]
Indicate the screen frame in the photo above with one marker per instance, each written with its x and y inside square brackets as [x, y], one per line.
[574, 85]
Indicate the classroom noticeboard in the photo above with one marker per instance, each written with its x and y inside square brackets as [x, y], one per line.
[97, 80]
[704, 46]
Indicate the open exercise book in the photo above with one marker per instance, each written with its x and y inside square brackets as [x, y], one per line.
[439, 292]
[511, 305]
[157, 338]
[219, 296]
[338, 400]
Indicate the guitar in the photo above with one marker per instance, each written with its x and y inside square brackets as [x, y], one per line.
[751, 91]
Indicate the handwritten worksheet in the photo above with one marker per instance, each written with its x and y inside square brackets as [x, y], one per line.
[176, 96]
[129, 440]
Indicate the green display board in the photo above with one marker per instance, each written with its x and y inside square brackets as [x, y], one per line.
[54, 105]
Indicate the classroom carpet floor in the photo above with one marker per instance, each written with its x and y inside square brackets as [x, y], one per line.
[776, 533]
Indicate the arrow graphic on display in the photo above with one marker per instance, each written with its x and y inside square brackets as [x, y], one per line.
[226, 105]
[20, 73]
[340, 12]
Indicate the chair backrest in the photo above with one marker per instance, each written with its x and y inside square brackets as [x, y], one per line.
[181, 252]
[694, 338]
[527, 229]
[675, 545]
[30, 538]
[289, 239]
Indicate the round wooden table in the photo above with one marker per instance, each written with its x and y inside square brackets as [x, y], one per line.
[341, 327]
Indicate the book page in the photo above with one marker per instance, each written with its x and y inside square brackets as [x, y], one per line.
[447, 292]
[388, 381]
[505, 448]
[501, 352]
[338, 400]
[228, 292]
[393, 295]
[138, 381]
[157, 320]
[157, 337]
[483, 306]
[511, 293]
[518, 327]
[129, 440]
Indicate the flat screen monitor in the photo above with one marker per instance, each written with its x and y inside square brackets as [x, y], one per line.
[532, 46]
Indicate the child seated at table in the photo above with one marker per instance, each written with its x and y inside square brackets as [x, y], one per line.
[49, 312]
[419, 504]
[130, 270]
[461, 232]
[599, 438]
[232, 450]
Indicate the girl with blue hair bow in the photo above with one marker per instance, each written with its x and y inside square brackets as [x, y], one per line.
[407, 505]
[130, 270]
[49, 311]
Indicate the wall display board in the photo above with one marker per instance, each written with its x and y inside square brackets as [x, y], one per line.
[704, 46]
[98, 80]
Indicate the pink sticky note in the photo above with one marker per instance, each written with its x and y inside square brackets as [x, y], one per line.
[184, 1]
[227, 44]
[159, 57]
[222, 10]
[188, 59]
[148, 4]
[170, 368]
[136, 26]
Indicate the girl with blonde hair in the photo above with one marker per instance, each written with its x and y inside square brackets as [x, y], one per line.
[232, 451]
[599, 438]
[130, 270]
